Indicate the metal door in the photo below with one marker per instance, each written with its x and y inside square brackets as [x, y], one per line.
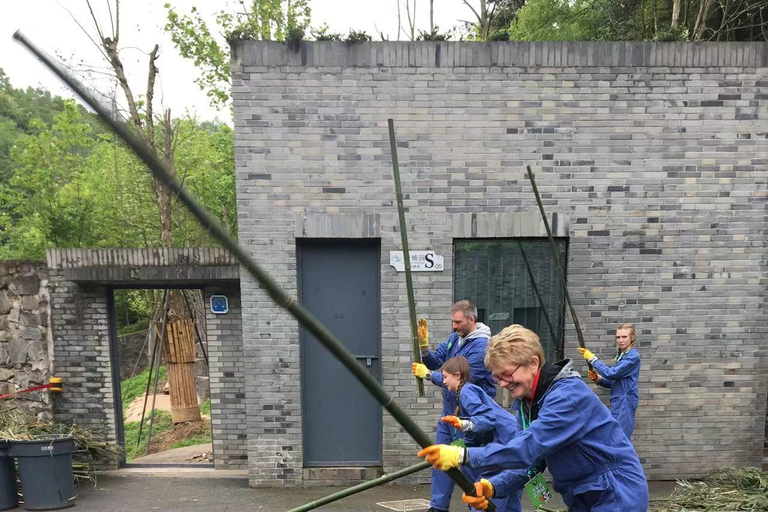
[339, 284]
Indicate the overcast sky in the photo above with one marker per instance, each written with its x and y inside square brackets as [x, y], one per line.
[49, 24]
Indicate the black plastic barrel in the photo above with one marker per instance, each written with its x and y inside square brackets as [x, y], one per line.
[8, 496]
[45, 470]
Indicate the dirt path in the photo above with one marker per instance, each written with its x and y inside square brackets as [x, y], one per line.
[199, 453]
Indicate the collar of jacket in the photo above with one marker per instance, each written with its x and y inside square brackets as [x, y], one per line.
[549, 374]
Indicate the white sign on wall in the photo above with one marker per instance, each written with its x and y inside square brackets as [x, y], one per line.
[421, 261]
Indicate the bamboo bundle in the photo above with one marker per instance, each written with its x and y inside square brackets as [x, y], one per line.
[179, 353]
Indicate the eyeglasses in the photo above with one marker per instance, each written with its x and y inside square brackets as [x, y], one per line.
[506, 376]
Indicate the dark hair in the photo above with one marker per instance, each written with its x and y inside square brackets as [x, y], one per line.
[460, 365]
[466, 307]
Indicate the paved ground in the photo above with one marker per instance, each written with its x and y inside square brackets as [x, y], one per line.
[206, 490]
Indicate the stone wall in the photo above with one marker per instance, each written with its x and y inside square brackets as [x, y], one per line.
[25, 334]
[655, 154]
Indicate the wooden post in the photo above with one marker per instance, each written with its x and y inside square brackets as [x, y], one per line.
[179, 351]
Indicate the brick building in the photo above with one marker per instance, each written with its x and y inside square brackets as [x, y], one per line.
[651, 159]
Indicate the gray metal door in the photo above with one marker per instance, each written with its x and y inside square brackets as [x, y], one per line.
[339, 284]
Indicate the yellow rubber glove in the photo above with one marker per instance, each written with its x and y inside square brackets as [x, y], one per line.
[419, 370]
[586, 354]
[422, 331]
[593, 376]
[443, 456]
[484, 491]
[453, 421]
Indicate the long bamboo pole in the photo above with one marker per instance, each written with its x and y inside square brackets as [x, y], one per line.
[406, 252]
[155, 353]
[159, 345]
[556, 258]
[536, 292]
[362, 487]
[281, 298]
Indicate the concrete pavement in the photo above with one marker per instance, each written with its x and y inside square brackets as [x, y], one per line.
[199, 489]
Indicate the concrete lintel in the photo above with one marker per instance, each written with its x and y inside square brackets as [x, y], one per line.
[154, 276]
[503, 225]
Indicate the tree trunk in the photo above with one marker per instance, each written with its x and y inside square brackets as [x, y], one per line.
[675, 13]
[431, 15]
[701, 20]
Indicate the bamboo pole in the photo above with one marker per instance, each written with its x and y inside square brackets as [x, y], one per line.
[556, 258]
[281, 298]
[155, 353]
[406, 253]
[536, 292]
[362, 487]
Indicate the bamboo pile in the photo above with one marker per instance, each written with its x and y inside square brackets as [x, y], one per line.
[15, 424]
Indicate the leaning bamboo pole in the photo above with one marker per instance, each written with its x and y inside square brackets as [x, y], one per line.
[556, 258]
[406, 253]
[362, 487]
[306, 319]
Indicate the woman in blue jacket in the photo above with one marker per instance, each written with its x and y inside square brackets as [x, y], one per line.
[621, 377]
[481, 420]
[593, 465]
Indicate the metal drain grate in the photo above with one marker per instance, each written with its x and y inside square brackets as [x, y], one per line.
[405, 505]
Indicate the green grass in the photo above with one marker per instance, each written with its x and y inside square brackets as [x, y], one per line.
[136, 386]
[163, 422]
[190, 441]
[205, 408]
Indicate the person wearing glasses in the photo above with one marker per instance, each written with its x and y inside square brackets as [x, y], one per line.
[621, 377]
[469, 339]
[564, 427]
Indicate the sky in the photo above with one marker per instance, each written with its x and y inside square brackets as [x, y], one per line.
[59, 28]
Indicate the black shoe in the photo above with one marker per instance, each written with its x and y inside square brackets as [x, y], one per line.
[433, 509]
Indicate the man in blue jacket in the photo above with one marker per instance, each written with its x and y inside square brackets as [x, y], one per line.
[469, 339]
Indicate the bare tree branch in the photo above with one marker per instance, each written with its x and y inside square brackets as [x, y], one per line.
[95, 21]
[150, 122]
[97, 45]
[111, 21]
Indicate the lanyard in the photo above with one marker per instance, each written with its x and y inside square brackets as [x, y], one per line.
[618, 358]
[525, 423]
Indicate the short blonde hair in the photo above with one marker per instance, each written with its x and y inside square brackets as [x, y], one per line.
[515, 345]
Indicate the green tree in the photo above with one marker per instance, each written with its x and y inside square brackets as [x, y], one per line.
[266, 20]
[48, 194]
[18, 108]
[641, 20]
[558, 20]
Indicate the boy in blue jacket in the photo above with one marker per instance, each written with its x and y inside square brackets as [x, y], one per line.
[469, 339]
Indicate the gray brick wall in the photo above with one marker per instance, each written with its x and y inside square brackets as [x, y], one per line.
[655, 152]
[226, 377]
[79, 281]
[81, 355]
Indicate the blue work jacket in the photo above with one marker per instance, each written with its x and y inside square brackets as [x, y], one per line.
[581, 444]
[621, 378]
